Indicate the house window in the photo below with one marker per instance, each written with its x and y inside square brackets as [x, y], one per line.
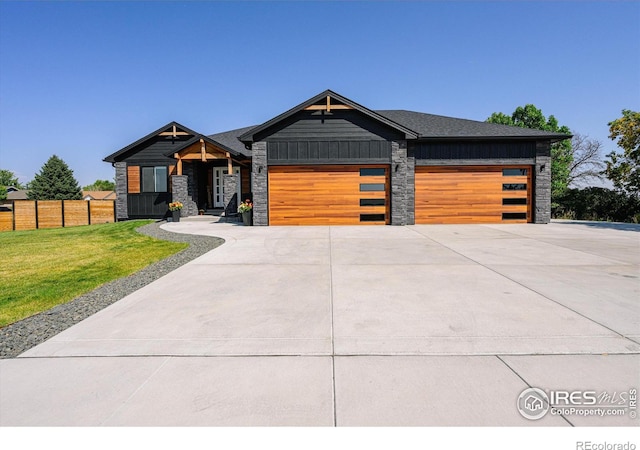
[514, 201]
[372, 202]
[514, 187]
[154, 179]
[513, 216]
[372, 217]
[372, 171]
[514, 172]
[371, 187]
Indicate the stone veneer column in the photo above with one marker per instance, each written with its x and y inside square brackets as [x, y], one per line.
[121, 191]
[230, 197]
[542, 183]
[399, 198]
[190, 206]
[259, 183]
[179, 192]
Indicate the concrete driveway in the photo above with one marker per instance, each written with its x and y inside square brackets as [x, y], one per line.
[348, 326]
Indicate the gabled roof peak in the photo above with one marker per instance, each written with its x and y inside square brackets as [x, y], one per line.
[327, 100]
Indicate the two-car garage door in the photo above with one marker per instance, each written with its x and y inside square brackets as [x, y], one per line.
[473, 194]
[329, 195]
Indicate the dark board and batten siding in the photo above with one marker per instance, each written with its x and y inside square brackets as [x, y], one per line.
[473, 151]
[152, 205]
[328, 152]
[154, 153]
[339, 125]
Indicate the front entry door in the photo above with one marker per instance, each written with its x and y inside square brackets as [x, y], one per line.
[218, 188]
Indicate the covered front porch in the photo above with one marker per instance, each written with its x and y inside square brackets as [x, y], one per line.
[209, 177]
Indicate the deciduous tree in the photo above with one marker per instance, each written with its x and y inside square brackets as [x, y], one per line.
[623, 168]
[529, 116]
[8, 178]
[587, 162]
[100, 185]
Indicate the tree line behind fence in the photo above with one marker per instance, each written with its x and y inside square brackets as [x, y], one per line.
[32, 214]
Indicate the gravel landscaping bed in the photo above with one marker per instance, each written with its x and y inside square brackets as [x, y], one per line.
[27, 333]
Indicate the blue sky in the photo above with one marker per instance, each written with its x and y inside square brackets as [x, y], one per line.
[84, 79]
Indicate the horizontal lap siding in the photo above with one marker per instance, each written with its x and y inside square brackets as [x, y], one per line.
[49, 213]
[76, 213]
[467, 195]
[101, 211]
[6, 220]
[133, 179]
[25, 213]
[30, 215]
[245, 179]
[321, 195]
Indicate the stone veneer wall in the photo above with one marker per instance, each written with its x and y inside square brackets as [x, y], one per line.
[230, 198]
[180, 193]
[542, 184]
[122, 212]
[259, 183]
[399, 191]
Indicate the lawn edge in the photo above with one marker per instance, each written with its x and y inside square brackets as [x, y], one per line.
[25, 334]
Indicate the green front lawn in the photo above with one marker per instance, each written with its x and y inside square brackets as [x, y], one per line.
[44, 268]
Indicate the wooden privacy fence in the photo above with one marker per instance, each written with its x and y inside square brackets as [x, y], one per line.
[33, 214]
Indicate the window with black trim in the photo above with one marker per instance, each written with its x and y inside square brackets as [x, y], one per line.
[514, 201]
[514, 172]
[154, 179]
[372, 187]
[372, 218]
[514, 187]
[372, 202]
[372, 171]
[513, 216]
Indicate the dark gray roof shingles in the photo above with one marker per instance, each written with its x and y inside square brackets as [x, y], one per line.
[230, 139]
[434, 126]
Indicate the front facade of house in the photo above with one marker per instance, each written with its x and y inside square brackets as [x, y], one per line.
[331, 161]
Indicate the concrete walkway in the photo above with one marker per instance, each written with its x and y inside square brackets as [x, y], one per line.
[347, 326]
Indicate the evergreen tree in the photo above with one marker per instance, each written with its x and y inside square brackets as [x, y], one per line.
[54, 182]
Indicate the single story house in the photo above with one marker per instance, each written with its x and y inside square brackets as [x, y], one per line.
[98, 195]
[13, 193]
[331, 161]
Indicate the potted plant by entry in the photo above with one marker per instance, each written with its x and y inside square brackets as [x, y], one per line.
[246, 210]
[175, 208]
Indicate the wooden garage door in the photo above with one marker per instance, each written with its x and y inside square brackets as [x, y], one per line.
[477, 194]
[328, 195]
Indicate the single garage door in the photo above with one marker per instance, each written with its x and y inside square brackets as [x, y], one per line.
[477, 194]
[329, 195]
